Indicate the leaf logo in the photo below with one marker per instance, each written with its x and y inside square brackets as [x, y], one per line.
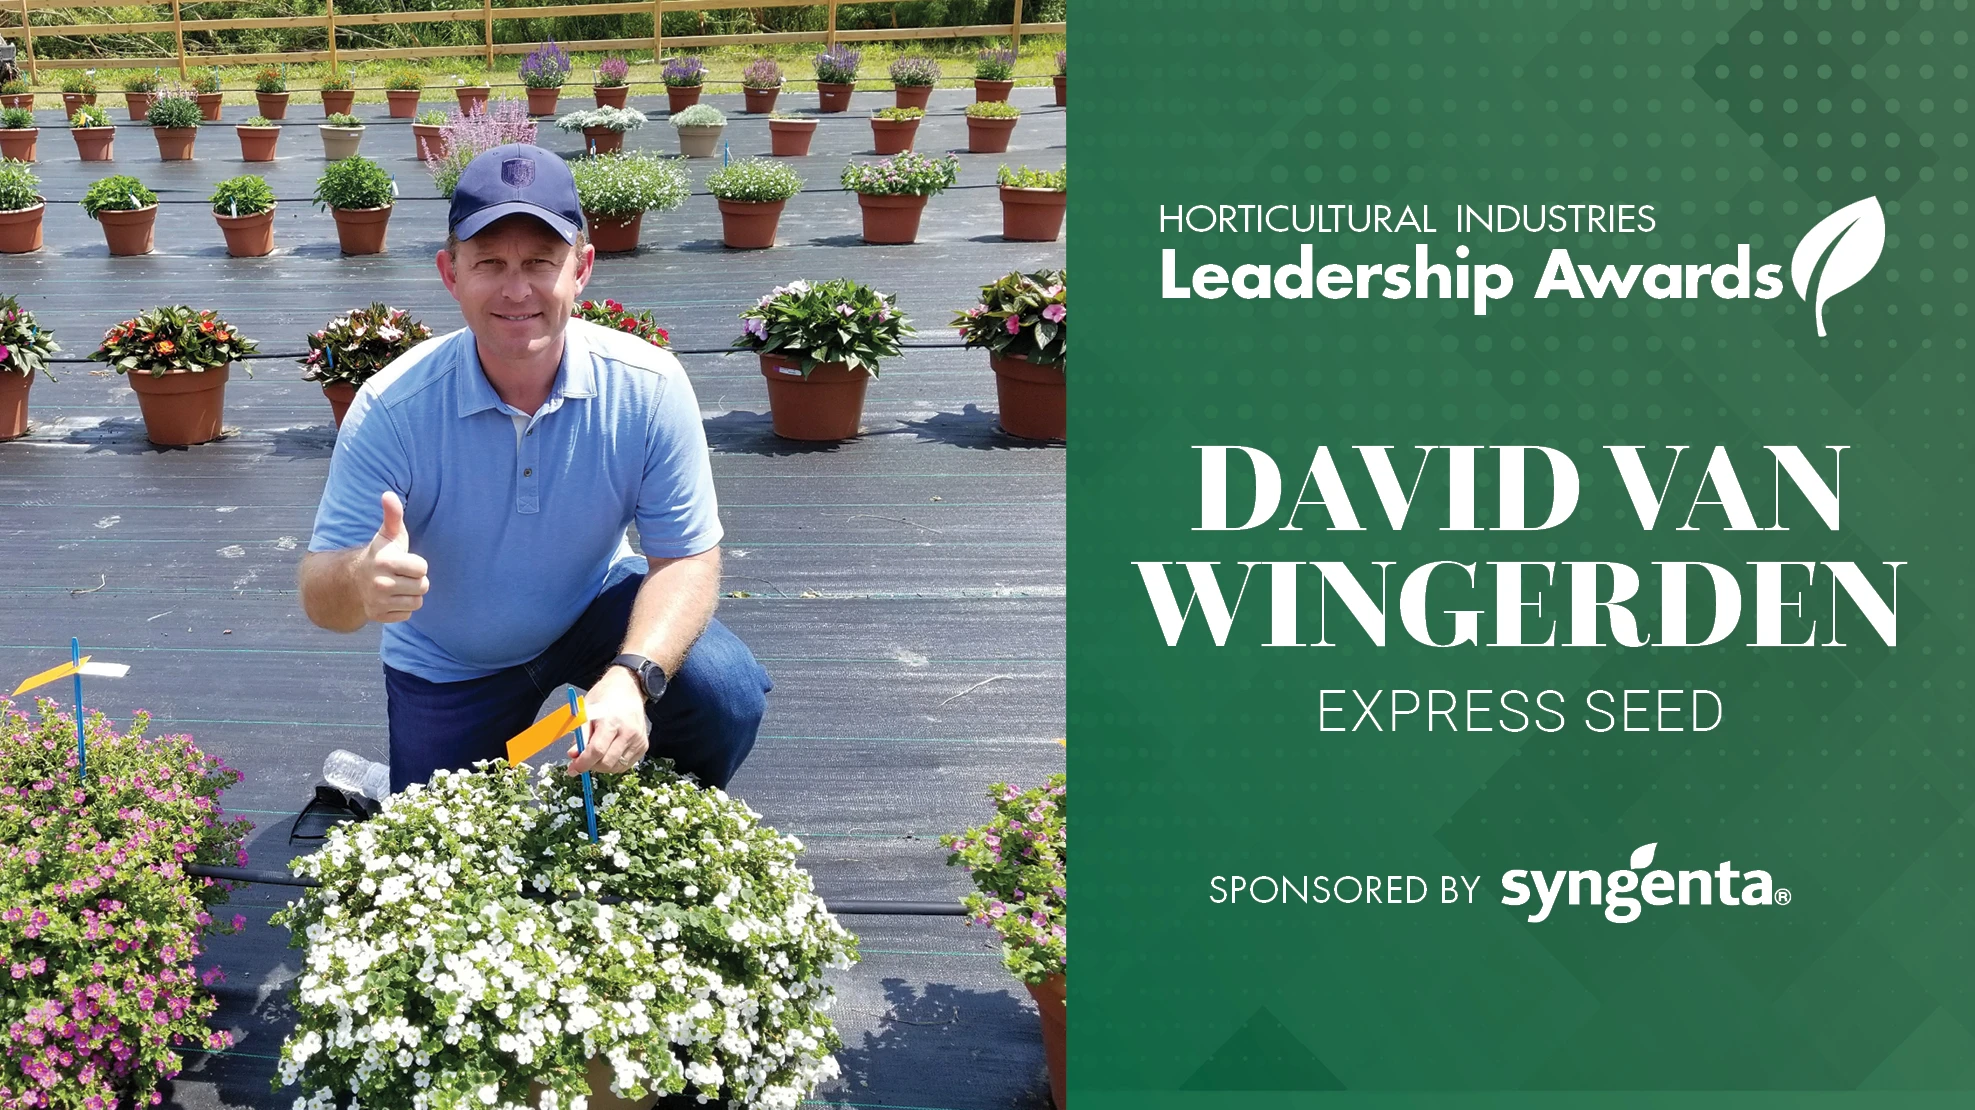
[1642, 856]
[1848, 243]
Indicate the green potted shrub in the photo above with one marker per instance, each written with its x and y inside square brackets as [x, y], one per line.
[401, 92]
[751, 193]
[95, 136]
[349, 350]
[18, 134]
[611, 314]
[989, 124]
[820, 344]
[137, 93]
[177, 361]
[21, 206]
[789, 134]
[710, 933]
[892, 129]
[100, 914]
[699, 129]
[271, 91]
[893, 193]
[1022, 321]
[836, 77]
[761, 83]
[684, 76]
[1020, 864]
[244, 208]
[603, 128]
[994, 74]
[17, 93]
[1062, 79]
[359, 193]
[428, 133]
[912, 81]
[616, 190]
[341, 135]
[339, 94]
[206, 93]
[78, 89]
[175, 119]
[27, 347]
[126, 210]
[543, 71]
[471, 90]
[1032, 203]
[612, 84]
[259, 136]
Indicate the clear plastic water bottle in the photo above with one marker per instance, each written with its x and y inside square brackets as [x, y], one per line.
[353, 774]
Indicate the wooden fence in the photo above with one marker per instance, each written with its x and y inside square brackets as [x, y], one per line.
[20, 24]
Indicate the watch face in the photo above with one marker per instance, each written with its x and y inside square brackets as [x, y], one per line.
[652, 677]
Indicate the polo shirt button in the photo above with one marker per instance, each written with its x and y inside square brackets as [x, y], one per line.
[528, 472]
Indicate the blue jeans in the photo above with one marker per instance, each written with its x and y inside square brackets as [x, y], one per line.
[705, 723]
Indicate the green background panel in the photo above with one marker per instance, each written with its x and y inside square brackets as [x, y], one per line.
[1842, 771]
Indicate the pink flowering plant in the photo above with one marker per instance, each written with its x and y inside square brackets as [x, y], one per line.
[812, 323]
[356, 345]
[24, 344]
[1022, 316]
[99, 923]
[1020, 864]
[907, 174]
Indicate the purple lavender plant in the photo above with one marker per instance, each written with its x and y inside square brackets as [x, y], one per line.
[837, 65]
[994, 65]
[613, 73]
[684, 72]
[546, 67]
[504, 121]
[762, 73]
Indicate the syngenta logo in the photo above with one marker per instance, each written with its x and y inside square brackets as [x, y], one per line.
[1625, 894]
[1833, 256]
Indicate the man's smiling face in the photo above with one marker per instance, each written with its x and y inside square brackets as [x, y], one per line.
[516, 282]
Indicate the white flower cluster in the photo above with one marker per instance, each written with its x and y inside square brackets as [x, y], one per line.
[469, 947]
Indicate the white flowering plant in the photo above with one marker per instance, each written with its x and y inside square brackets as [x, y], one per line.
[470, 947]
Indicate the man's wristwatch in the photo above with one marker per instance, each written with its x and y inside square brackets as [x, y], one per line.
[651, 676]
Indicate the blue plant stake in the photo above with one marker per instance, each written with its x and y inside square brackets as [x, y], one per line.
[589, 800]
[726, 154]
[81, 745]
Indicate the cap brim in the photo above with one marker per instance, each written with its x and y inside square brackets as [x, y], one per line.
[476, 223]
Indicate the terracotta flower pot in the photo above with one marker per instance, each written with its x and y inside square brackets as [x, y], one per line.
[209, 105]
[613, 235]
[892, 136]
[128, 232]
[827, 405]
[989, 136]
[992, 90]
[18, 142]
[257, 143]
[175, 143]
[403, 103]
[182, 407]
[338, 100]
[760, 102]
[834, 96]
[339, 143]
[18, 100]
[602, 140]
[700, 142]
[891, 219]
[20, 233]
[1050, 997]
[1062, 82]
[789, 138]
[541, 102]
[272, 105]
[13, 403]
[472, 99]
[912, 96]
[248, 236]
[750, 225]
[678, 98]
[361, 230]
[429, 140]
[95, 144]
[72, 101]
[1032, 215]
[139, 104]
[1032, 397]
[340, 395]
[610, 96]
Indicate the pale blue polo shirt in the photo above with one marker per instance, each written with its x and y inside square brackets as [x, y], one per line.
[520, 519]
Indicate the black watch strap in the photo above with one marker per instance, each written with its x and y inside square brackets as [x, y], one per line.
[651, 676]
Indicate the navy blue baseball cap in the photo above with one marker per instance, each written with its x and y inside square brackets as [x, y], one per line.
[517, 178]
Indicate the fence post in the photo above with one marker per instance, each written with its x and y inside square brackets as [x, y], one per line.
[27, 34]
[487, 28]
[178, 35]
[1015, 30]
[830, 27]
[330, 8]
[657, 30]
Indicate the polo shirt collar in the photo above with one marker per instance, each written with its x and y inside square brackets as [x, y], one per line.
[576, 377]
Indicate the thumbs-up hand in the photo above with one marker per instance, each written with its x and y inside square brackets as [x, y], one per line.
[391, 578]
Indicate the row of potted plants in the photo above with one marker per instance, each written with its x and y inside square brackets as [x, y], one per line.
[819, 345]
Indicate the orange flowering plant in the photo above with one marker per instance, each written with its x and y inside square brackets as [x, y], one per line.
[611, 314]
[172, 337]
